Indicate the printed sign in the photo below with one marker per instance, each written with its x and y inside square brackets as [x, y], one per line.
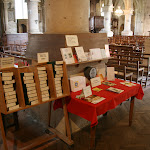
[72, 40]
[87, 91]
[95, 81]
[7, 62]
[43, 57]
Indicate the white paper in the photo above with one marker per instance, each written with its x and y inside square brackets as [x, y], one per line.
[72, 40]
[95, 53]
[7, 62]
[110, 74]
[43, 57]
[107, 50]
[87, 91]
[103, 53]
[95, 81]
[67, 55]
[80, 54]
[77, 83]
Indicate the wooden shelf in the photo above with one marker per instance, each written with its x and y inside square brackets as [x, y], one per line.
[90, 61]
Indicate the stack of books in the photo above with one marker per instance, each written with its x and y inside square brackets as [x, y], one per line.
[43, 83]
[29, 88]
[9, 90]
[58, 77]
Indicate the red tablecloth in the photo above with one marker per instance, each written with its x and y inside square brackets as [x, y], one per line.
[90, 111]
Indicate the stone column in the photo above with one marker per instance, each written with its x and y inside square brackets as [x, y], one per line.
[67, 16]
[127, 25]
[6, 15]
[33, 20]
[107, 20]
[139, 17]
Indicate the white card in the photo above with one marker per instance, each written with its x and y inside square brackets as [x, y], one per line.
[95, 53]
[87, 91]
[67, 55]
[72, 40]
[80, 54]
[110, 74]
[107, 50]
[7, 62]
[43, 57]
[95, 81]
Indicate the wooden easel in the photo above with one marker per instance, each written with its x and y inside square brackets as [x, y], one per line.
[19, 90]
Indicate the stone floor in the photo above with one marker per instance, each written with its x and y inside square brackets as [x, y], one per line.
[113, 132]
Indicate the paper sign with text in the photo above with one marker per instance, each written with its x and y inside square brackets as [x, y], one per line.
[95, 81]
[7, 62]
[43, 57]
[87, 91]
[72, 40]
[110, 74]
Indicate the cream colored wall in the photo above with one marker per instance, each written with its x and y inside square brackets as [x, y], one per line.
[67, 16]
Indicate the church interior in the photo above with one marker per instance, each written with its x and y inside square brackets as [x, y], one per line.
[74, 74]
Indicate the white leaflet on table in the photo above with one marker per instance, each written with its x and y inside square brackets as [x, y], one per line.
[95, 53]
[107, 50]
[95, 81]
[77, 83]
[72, 40]
[87, 91]
[67, 55]
[80, 54]
[110, 74]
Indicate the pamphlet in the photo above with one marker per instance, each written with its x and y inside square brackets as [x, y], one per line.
[108, 83]
[115, 90]
[128, 84]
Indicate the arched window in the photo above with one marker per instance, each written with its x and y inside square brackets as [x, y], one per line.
[21, 9]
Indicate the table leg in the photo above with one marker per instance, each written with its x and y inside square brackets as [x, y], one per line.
[92, 141]
[16, 122]
[3, 133]
[131, 110]
[49, 113]
[66, 118]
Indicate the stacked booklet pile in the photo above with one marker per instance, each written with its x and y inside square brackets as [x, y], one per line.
[58, 77]
[43, 83]
[9, 90]
[29, 88]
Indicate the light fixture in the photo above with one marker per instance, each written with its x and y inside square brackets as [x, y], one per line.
[118, 12]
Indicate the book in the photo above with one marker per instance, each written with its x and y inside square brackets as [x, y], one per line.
[43, 85]
[9, 82]
[67, 55]
[10, 97]
[58, 75]
[59, 72]
[32, 95]
[59, 88]
[96, 89]
[29, 85]
[33, 98]
[31, 92]
[43, 79]
[28, 81]
[45, 99]
[58, 69]
[110, 73]
[108, 83]
[45, 95]
[11, 104]
[44, 92]
[30, 88]
[42, 75]
[80, 54]
[11, 100]
[27, 74]
[8, 86]
[58, 95]
[34, 102]
[7, 74]
[14, 107]
[7, 78]
[115, 90]
[44, 89]
[28, 78]
[57, 79]
[8, 90]
[59, 62]
[41, 72]
[10, 93]
[95, 53]
[41, 68]
[58, 66]
[43, 82]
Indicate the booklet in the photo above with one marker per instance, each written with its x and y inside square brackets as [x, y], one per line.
[128, 84]
[94, 99]
[80, 54]
[115, 90]
[108, 83]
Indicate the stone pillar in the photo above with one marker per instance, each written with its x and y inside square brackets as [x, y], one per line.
[67, 16]
[139, 17]
[33, 20]
[107, 20]
[6, 15]
[127, 25]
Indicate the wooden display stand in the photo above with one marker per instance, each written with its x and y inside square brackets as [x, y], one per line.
[22, 105]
